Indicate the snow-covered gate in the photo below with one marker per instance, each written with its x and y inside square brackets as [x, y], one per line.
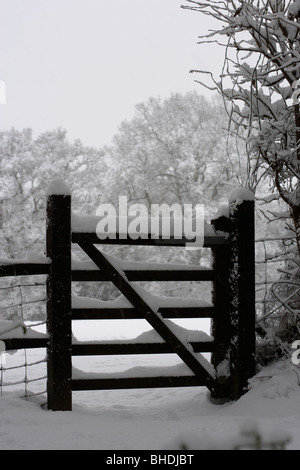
[232, 312]
[232, 348]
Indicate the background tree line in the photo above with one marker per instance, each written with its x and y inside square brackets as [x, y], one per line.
[176, 150]
[172, 151]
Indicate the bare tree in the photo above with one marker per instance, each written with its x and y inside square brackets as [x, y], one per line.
[259, 82]
[174, 150]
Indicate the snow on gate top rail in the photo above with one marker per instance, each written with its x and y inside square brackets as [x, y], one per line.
[84, 229]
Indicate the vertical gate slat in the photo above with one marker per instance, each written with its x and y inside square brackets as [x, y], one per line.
[59, 311]
[221, 328]
[242, 294]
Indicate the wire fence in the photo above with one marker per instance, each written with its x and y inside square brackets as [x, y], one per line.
[24, 300]
[271, 256]
[277, 295]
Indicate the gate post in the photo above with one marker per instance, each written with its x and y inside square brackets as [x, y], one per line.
[241, 290]
[59, 313]
[221, 320]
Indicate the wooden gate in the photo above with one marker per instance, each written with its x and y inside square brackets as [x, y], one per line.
[232, 312]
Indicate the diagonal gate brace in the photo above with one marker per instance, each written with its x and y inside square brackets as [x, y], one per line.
[119, 279]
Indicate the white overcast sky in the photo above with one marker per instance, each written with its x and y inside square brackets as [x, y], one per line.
[84, 64]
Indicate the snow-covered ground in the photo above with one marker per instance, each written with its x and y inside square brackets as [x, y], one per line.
[148, 419]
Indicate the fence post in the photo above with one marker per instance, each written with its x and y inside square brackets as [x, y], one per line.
[59, 314]
[242, 290]
[221, 320]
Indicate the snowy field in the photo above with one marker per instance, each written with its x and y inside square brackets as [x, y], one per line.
[147, 419]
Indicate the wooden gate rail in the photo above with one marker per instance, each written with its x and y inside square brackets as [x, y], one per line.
[15, 268]
[21, 268]
[111, 349]
[147, 275]
[142, 382]
[12, 344]
[91, 237]
[133, 314]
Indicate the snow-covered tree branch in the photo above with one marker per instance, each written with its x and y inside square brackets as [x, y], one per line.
[259, 82]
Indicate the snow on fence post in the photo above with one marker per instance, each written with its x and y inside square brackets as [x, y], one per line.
[59, 314]
[241, 290]
[221, 320]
